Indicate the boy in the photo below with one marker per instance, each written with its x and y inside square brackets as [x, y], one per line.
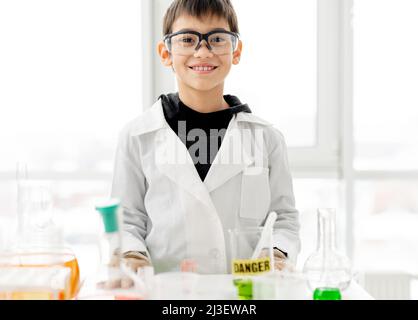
[180, 188]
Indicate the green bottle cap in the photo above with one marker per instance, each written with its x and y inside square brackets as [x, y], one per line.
[108, 210]
[327, 294]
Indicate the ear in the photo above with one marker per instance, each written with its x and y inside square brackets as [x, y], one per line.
[237, 54]
[164, 54]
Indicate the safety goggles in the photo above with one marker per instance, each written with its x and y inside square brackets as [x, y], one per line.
[219, 42]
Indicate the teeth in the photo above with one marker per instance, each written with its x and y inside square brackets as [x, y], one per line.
[203, 68]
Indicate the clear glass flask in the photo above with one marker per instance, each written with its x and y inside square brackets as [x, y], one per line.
[39, 243]
[328, 272]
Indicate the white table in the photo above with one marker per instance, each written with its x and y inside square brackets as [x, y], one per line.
[220, 287]
[189, 286]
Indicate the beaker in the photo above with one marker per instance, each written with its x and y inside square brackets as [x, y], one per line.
[251, 255]
[328, 272]
[45, 258]
[40, 242]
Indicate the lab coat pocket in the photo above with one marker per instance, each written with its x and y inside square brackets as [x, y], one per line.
[255, 193]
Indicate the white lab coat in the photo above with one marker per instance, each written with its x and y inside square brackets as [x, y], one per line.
[172, 215]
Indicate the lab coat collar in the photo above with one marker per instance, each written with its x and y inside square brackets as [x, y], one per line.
[151, 120]
[250, 118]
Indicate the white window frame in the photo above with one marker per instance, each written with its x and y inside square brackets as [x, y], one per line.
[157, 79]
[322, 160]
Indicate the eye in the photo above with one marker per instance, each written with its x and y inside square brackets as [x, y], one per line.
[187, 40]
[218, 39]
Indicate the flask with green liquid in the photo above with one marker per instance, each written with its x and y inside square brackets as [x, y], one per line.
[328, 271]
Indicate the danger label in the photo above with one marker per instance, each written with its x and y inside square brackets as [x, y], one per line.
[249, 267]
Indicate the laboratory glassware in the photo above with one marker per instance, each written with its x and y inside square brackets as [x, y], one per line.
[110, 274]
[33, 283]
[328, 272]
[244, 242]
[40, 243]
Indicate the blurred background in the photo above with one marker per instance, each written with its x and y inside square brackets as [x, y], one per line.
[337, 77]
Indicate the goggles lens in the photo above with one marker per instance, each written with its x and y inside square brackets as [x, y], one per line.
[187, 43]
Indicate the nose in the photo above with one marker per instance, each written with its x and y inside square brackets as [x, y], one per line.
[203, 50]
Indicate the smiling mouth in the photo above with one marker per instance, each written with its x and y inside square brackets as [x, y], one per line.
[203, 69]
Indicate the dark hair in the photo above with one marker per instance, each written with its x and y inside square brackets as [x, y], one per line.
[200, 9]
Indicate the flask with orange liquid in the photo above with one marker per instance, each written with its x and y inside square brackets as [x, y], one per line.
[39, 249]
[44, 253]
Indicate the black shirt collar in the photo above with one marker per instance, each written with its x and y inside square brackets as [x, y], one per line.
[172, 106]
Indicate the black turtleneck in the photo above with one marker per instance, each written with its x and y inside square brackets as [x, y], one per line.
[202, 133]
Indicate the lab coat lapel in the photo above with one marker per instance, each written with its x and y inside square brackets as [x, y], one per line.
[174, 160]
[233, 156]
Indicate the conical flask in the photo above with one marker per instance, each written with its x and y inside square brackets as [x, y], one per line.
[328, 272]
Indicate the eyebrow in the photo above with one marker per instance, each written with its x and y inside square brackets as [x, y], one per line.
[188, 29]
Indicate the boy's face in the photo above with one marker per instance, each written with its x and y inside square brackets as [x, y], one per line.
[186, 76]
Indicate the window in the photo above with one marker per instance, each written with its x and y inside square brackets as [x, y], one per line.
[72, 74]
[282, 64]
[385, 78]
[70, 78]
[289, 75]
[385, 134]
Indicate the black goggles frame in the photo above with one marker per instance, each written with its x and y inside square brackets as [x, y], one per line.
[167, 38]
